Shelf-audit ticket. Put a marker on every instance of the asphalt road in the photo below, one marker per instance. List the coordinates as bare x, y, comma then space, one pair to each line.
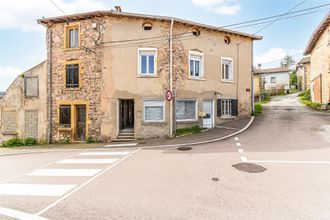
289, 140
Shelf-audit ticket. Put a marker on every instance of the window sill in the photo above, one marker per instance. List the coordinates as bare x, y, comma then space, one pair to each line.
72, 89
147, 76
71, 49
9, 133
228, 117
197, 79
227, 81
64, 129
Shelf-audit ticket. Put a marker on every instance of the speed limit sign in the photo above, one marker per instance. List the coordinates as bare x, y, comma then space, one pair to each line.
168, 95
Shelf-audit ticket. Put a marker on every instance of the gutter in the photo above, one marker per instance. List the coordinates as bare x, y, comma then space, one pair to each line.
50, 84
252, 79
171, 79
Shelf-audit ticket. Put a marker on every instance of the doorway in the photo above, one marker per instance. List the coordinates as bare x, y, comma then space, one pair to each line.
208, 117
126, 114
80, 122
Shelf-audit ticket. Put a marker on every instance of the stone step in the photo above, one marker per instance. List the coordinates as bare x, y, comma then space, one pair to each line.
123, 140
125, 137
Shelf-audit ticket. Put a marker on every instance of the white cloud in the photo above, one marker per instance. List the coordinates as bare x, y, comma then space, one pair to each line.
273, 57
23, 14
7, 75
222, 7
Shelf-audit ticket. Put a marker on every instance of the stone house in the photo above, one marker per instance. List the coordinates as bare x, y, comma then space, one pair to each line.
319, 49
303, 68
272, 80
110, 71
23, 106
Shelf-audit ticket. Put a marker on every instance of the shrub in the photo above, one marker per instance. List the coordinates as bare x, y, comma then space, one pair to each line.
30, 141
257, 109
306, 95
13, 142
264, 97
193, 130
91, 140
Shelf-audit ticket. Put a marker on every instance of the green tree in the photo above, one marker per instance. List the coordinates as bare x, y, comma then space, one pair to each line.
293, 79
287, 61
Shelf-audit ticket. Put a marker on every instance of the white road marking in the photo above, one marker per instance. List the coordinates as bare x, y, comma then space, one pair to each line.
84, 184
18, 214
236, 138
34, 189
244, 159
122, 145
240, 151
104, 153
87, 161
238, 144
65, 172
292, 162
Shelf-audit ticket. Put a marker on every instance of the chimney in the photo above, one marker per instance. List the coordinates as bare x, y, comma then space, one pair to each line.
117, 8
259, 66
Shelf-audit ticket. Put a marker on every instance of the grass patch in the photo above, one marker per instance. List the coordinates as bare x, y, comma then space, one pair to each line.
193, 130
18, 142
305, 98
257, 109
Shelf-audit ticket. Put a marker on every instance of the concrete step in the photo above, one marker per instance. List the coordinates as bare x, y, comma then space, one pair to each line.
125, 137
123, 140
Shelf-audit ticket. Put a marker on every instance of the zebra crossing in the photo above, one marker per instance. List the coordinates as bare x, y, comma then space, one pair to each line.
63, 177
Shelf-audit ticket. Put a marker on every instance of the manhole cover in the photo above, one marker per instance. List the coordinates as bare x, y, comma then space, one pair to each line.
184, 148
249, 167
215, 179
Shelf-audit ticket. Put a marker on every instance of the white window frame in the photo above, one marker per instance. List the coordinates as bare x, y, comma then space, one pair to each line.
201, 64
144, 109
228, 109
196, 111
271, 79
147, 50
232, 69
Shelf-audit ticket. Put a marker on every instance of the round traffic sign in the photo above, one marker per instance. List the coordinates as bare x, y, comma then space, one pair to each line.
168, 95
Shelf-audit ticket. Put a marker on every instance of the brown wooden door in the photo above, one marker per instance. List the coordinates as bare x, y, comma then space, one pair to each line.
81, 123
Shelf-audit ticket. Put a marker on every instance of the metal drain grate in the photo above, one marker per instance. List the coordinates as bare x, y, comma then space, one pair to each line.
249, 168
184, 148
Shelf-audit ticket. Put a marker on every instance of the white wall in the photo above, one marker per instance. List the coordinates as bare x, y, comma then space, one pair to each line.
282, 79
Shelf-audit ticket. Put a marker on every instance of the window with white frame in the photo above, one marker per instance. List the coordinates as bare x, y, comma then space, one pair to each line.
273, 79
153, 110
195, 64
227, 73
226, 107
186, 110
147, 61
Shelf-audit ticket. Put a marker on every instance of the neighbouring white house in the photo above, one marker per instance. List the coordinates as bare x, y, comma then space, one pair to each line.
274, 80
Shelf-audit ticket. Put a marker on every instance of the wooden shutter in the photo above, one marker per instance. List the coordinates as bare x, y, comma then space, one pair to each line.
219, 107
234, 107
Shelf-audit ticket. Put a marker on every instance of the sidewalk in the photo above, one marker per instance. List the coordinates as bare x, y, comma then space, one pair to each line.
224, 130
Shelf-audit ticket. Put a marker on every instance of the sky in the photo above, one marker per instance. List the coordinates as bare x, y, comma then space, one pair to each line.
23, 40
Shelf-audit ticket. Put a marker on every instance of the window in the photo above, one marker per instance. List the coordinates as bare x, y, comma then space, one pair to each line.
227, 107
147, 62
273, 79
31, 86
186, 110
153, 110
227, 40
227, 69
9, 122
65, 116
147, 26
72, 75
72, 36
195, 65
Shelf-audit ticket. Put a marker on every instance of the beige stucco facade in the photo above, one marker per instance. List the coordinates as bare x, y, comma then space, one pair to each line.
319, 50
109, 73
303, 75
23, 109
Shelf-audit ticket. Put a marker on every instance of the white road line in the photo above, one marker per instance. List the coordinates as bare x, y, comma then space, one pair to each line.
122, 145
291, 162
104, 153
34, 189
240, 151
84, 184
238, 144
65, 172
244, 159
19, 214
87, 161
236, 138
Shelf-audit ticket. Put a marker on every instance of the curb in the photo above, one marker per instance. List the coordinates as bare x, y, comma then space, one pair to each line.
147, 147
203, 142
